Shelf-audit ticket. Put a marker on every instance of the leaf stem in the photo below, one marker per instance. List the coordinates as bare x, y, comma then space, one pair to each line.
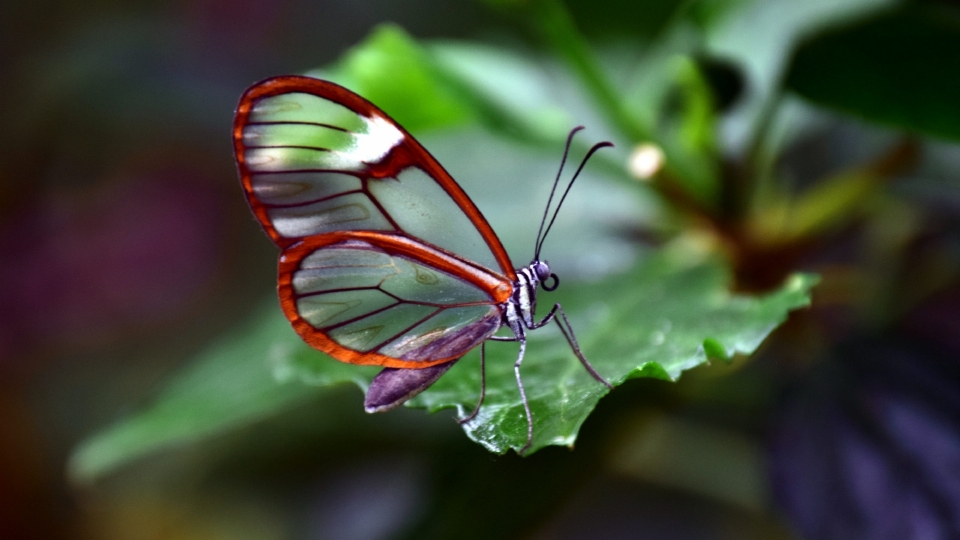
559, 31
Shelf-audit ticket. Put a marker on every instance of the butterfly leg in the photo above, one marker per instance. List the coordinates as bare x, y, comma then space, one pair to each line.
523, 395
483, 376
483, 384
567, 331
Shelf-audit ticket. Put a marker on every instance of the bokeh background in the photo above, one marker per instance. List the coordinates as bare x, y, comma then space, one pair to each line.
817, 136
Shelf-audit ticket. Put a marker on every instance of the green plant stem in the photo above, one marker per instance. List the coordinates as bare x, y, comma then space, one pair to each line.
757, 161
557, 28
559, 31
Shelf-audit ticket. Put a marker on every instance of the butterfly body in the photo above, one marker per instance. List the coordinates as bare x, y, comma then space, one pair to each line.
384, 259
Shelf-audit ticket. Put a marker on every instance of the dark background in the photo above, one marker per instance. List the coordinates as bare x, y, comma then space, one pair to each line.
126, 246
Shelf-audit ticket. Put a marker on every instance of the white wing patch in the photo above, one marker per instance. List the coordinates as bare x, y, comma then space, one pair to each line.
380, 137
287, 147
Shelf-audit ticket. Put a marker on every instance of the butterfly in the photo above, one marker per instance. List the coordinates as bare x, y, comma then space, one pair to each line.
384, 258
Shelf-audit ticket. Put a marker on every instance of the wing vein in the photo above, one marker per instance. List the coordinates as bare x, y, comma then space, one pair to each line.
298, 123
312, 201
294, 171
342, 289
395, 297
326, 329
293, 146
380, 207
405, 330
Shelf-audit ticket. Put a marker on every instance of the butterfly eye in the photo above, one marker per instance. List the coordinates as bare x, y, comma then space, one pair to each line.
542, 269
543, 274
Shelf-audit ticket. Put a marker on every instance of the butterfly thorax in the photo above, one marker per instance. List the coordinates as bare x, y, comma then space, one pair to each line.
520, 308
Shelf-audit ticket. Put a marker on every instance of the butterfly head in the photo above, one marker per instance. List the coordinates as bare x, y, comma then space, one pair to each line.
542, 270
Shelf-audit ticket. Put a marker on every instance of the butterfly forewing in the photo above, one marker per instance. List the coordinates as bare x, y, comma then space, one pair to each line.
316, 158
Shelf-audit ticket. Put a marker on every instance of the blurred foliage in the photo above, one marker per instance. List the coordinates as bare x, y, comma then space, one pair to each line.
797, 137
901, 68
228, 385
389, 54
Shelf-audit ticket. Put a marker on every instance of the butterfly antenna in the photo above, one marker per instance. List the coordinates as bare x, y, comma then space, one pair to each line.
553, 190
595, 147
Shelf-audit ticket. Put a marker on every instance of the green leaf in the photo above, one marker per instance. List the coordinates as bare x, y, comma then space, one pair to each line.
558, 29
444, 84
760, 36
901, 68
393, 71
228, 385
689, 135
511, 90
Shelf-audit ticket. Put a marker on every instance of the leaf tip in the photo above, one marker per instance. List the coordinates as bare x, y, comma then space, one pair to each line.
713, 349
647, 369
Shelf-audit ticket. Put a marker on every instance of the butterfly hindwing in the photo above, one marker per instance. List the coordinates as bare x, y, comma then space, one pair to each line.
392, 387
374, 298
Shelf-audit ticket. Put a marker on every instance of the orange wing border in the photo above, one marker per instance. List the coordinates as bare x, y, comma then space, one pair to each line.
495, 286
409, 152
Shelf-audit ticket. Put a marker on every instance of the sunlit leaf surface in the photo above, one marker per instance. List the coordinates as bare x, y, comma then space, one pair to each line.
658, 321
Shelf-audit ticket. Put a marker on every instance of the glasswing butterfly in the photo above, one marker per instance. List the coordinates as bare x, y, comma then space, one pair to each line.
385, 260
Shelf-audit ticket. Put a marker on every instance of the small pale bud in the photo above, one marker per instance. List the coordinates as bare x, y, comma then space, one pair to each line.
645, 161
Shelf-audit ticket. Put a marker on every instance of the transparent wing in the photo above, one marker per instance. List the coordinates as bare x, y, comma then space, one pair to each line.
374, 298
316, 158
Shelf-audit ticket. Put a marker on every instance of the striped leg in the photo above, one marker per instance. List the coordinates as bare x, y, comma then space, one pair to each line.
483, 377
523, 392
523, 395
483, 385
